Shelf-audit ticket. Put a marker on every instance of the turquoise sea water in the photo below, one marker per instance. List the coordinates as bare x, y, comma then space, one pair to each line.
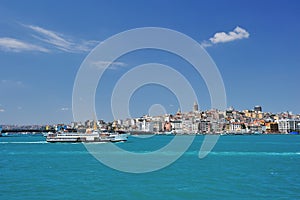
240, 167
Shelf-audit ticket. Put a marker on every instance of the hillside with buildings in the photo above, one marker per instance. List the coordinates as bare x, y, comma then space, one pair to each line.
212, 121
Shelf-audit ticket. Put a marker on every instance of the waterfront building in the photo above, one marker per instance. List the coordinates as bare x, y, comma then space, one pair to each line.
235, 127
132, 122
139, 124
177, 126
288, 125
283, 125
187, 125
157, 126
205, 126
126, 124
254, 127
167, 126
195, 127
216, 127
147, 125
272, 127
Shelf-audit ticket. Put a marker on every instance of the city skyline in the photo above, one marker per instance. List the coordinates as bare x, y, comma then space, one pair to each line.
42, 50
213, 121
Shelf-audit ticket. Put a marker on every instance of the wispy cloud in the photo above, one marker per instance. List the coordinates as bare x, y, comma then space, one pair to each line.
206, 44
43, 40
11, 83
64, 109
15, 45
61, 41
113, 65
222, 37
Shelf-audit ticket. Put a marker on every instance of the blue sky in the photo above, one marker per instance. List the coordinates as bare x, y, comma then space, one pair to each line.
255, 45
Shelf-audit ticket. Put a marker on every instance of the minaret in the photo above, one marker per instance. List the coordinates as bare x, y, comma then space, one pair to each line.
195, 107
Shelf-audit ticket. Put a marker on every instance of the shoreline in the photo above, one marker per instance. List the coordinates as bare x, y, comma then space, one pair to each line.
137, 133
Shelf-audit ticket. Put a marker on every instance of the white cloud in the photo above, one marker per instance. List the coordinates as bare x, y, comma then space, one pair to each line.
103, 64
222, 37
237, 34
60, 41
64, 109
14, 45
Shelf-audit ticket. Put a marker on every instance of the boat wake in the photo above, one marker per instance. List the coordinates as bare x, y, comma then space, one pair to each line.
239, 153
35, 142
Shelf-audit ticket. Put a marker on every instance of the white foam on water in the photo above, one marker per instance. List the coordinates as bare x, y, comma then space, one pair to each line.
35, 142
237, 153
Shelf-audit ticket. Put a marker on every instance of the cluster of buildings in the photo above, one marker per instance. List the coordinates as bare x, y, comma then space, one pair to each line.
207, 122
212, 121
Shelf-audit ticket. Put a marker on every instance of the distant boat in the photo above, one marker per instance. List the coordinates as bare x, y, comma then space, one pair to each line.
294, 133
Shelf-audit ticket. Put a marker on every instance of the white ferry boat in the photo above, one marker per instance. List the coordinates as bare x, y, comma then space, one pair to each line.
95, 136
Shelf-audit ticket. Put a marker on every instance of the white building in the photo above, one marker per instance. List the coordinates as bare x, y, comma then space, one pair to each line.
187, 125
235, 127
288, 125
177, 126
